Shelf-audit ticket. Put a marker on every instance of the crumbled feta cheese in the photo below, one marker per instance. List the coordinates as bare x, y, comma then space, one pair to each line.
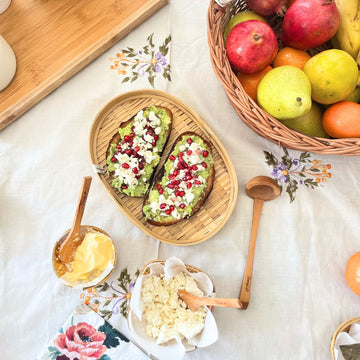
166, 314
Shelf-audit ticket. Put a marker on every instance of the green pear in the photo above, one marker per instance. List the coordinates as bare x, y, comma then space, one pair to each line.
309, 123
355, 95
285, 92
241, 17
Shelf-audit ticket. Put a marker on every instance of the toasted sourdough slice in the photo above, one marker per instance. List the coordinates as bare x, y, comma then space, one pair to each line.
183, 184
135, 151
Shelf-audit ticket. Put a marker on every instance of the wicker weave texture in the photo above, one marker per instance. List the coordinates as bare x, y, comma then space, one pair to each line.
256, 118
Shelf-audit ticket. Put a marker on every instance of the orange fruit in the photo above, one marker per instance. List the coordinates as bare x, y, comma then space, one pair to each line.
342, 120
352, 273
250, 82
291, 56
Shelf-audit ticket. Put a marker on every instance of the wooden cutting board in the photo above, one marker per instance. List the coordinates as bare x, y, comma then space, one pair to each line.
54, 39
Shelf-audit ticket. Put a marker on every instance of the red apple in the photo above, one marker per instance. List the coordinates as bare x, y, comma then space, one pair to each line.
310, 23
251, 46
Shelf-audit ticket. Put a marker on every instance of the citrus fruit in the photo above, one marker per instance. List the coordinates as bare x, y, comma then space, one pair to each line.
250, 82
352, 273
240, 17
285, 92
333, 75
291, 56
342, 120
309, 123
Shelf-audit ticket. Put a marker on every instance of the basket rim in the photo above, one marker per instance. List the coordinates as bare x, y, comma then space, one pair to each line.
250, 113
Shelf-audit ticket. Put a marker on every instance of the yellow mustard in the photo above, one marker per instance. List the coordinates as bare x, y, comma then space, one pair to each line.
91, 258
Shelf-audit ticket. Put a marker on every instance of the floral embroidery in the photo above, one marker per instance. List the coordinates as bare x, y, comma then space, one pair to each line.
290, 172
83, 341
111, 299
131, 64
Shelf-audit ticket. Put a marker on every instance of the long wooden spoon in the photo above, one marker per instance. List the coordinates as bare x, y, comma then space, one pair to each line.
73, 239
193, 301
260, 188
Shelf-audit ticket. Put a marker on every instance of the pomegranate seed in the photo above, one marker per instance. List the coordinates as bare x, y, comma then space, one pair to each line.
125, 166
141, 166
158, 186
128, 152
189, 185
156, 137
153, 143
161, 191
132, 128
184, 178
113, 159
189, 152
124, 186
205, 153
189, 140
182, 206
177, 193
204, 164
137, 148
147, 119
197, 182
118, 146
176, 187
171, 186
194, 167
127, 138
135, 170
172, 157
181, 154
138, 177
131, 143
168, 212
176, 182
132, 135
171, 177
172, 208
175, 172
182, 193
162, 206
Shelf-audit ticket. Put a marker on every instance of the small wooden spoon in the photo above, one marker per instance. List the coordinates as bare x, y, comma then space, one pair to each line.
193, 301
260, 188
73, 239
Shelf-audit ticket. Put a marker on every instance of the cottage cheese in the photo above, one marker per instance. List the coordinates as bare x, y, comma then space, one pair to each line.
166, 314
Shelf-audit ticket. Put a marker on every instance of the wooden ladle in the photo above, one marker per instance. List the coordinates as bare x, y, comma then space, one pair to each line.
73, 239
193, 301
260, 188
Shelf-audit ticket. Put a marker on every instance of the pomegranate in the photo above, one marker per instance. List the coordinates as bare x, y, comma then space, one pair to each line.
310, 23
251, 46
268, 7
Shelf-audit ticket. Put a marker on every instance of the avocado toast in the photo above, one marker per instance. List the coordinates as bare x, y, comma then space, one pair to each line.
184, 182
135, 150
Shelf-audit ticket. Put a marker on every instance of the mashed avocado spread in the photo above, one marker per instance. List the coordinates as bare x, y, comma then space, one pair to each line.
185, 178
134, 159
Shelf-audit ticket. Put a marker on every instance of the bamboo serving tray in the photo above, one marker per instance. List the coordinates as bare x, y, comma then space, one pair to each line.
54, 39
219, 205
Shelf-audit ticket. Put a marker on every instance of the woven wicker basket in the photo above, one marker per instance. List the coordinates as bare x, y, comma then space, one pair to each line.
257, 119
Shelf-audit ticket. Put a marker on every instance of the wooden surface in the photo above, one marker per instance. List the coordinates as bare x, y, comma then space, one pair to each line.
54, 39
217, 208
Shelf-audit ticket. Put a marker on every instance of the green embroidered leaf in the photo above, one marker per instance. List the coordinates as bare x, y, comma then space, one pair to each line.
102, 287
105, 357
107, 302
315, 170
113, 337
151, 80
301, 174
130, 49
53, 352
125, 79
131, 55
270, 159
150, 39
124, 64
96, 301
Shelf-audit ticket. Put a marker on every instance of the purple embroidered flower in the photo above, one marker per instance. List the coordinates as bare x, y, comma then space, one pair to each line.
159, 61
280, 172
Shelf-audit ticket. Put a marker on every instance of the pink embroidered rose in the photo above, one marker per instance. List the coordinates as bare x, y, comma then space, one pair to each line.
82, 342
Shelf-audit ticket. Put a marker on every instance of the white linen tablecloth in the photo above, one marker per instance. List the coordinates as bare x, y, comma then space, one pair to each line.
299, 295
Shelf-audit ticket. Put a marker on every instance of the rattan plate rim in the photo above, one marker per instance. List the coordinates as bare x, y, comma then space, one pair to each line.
140, 96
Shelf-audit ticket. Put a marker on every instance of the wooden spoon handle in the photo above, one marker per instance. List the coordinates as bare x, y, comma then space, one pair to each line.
244, 295
73, 239
85, 186
224, 302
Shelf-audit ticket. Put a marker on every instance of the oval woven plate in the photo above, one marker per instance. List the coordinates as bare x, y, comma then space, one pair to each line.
217, 208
